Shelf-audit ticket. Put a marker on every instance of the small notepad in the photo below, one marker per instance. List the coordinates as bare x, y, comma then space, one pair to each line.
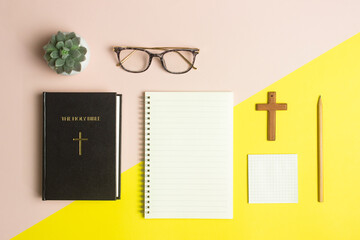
188, 155
273, 178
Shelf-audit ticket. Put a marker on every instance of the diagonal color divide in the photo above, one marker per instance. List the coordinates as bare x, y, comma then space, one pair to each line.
336, 75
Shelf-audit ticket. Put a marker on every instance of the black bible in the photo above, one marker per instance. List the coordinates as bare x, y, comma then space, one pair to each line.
81, 146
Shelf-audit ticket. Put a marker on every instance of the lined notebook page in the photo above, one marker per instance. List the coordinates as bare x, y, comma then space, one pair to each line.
188, 155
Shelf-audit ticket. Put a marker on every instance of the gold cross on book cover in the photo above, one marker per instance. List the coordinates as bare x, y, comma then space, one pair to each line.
80, 139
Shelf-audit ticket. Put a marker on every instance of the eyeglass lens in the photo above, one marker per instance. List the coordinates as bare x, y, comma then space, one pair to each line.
134, 60
178, 61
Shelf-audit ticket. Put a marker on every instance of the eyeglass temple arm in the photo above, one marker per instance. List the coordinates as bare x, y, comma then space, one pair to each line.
182, 56
125, 58
129, 55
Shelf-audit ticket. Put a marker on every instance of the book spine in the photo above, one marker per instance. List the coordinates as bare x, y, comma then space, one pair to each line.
147, 155
120, 132
44, 149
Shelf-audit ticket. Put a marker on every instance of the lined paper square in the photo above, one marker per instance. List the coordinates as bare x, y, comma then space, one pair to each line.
273, 178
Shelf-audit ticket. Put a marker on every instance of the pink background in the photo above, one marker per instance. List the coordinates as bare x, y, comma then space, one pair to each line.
245, 45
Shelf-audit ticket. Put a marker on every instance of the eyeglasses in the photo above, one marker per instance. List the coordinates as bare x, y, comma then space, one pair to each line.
174, 60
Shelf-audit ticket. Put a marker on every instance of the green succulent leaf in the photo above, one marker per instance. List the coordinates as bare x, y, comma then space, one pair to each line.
53, 39
76, 41
64, 52
70, 35
60, 45
49, 47
65, 55
54, 54
47, 56
80, 59
60, 36
74, 47
52, 63
75, 53
59, 70
59, 62
82, 50
77, 66
68, 43
67, 69
70, 62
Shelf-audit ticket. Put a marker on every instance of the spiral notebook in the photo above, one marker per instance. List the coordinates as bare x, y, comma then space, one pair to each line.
188, 155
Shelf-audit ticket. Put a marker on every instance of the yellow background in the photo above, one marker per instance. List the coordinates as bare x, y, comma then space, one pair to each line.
336, 76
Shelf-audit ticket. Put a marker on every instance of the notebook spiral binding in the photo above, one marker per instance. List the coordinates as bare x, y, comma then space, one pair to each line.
147, 155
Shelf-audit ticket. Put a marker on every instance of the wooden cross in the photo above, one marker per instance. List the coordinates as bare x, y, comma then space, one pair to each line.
271, 107
80, 140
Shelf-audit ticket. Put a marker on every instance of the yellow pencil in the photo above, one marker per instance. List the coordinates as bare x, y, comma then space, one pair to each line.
320, 151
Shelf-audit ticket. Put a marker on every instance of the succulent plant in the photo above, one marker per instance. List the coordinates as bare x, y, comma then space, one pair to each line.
64, 54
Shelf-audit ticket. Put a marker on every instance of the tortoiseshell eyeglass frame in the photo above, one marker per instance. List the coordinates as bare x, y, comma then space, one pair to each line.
194, 51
